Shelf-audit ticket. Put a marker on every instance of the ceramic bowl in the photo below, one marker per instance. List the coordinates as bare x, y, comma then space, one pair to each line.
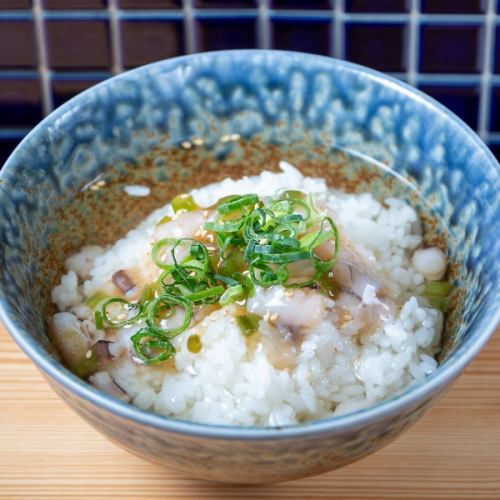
181, 123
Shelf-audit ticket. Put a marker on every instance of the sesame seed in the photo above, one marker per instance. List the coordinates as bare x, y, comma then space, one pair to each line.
186, 144
197, 141
205, 213
274, 317
235, 137
263, 241
288, 293
267, 316
210, 238
88, 354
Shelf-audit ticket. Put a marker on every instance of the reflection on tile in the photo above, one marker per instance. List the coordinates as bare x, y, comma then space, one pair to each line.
74, 4
380, 46
226, 33
147, 41
377, 5
78, 44
15, 4
7, 145
496, 50
65, 89
463, 100
17, 44
450, 49
231, 4
301, 35
495, 109
453, 6
20, 102
301, 4
150, 4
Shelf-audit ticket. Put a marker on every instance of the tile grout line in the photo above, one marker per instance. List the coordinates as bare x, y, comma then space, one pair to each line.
41, 41
338, 29
485, 96
413, 43
189, 34
264, 34
114, 29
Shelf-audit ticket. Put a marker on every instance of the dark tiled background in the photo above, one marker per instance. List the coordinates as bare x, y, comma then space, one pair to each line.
53, 49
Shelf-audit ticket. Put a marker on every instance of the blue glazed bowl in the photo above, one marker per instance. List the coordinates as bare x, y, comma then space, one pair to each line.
139, 128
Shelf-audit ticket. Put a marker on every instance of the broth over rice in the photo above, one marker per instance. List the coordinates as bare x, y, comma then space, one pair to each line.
270, 300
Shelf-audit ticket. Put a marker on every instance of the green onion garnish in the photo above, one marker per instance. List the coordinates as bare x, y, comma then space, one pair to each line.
194, 344
184, 202
95, 300
248, 323
437, 293
253, 241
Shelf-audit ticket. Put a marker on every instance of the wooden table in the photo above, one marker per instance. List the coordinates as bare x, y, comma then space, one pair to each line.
46, 451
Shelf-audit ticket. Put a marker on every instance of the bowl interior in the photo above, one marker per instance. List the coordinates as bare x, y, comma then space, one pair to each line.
186, 122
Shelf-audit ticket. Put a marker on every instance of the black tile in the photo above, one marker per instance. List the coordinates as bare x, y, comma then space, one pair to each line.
15, 4
78, 44
231, 4
226, 33
20, 102
150, 4
301, 4
301, 35
379, 46
7, 145
17, 42
495, 109
453, 6
147, 41
463, 100
450, 49
495, 149
65, 89
377, 6
75, 4
496, 49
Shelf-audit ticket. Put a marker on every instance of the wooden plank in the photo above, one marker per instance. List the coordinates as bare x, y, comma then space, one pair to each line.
46, 451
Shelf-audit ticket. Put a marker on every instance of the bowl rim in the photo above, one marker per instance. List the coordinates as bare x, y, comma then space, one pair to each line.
434, 383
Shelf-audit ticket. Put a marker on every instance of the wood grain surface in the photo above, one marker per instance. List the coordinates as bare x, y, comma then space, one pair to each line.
46, 451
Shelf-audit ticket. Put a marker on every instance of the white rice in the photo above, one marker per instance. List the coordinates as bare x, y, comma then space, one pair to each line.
230, 382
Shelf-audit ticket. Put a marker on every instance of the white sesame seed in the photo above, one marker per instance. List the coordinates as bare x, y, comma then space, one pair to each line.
197, 141
186, 144
274, 317
88, 354
205, 213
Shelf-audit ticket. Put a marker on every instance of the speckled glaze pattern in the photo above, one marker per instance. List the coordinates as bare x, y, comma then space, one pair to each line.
318, 112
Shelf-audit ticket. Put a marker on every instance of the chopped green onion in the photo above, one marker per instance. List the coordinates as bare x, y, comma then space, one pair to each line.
121, 317
184, 202
248, 324
237, 203
99, 320
168, 301
164, 220
232, 294
159, 252
151, 346
95, 300
440, 288
437, 293
194, 344
205, 294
